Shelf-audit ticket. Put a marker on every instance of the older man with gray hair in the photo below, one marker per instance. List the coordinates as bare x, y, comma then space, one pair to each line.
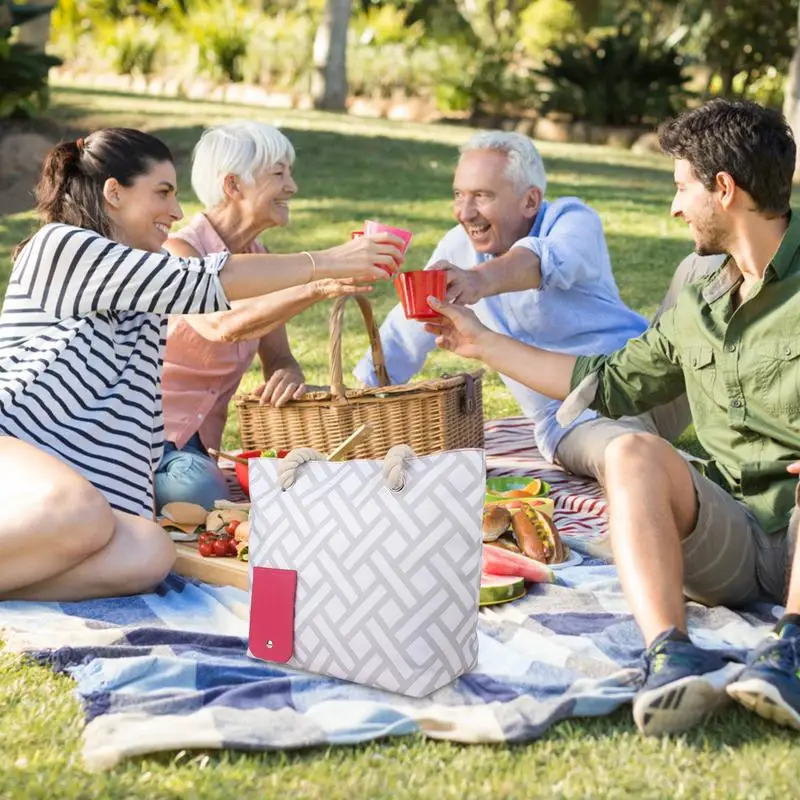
535, 270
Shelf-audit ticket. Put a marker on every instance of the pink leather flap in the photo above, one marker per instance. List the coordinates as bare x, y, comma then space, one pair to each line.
272, 613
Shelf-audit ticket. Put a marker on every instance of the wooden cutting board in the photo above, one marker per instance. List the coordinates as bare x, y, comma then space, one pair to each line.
219, 571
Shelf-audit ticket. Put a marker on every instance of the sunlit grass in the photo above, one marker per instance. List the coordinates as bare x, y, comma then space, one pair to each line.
349, 169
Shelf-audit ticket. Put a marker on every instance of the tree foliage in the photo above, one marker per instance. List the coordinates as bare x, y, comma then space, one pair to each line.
748, 37
621, 78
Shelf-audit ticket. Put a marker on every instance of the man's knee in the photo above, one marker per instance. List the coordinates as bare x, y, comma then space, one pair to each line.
631, 450
648, 471
646, 459
582, 450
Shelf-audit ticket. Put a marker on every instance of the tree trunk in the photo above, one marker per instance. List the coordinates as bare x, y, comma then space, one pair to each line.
791, 102
329, 81
727, 74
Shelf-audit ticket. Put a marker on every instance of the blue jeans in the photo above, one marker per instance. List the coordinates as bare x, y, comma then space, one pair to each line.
189, 475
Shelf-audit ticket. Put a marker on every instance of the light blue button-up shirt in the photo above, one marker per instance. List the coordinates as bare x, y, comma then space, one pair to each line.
577, 309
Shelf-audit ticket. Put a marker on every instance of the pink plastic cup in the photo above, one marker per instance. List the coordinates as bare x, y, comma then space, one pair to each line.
370, 227
414, 289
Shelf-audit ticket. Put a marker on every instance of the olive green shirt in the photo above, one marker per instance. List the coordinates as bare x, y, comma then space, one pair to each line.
740, 368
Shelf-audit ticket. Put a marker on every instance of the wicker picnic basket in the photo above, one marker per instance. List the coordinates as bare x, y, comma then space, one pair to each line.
430, 416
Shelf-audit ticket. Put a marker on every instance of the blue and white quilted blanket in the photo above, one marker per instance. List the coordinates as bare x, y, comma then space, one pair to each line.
170, 671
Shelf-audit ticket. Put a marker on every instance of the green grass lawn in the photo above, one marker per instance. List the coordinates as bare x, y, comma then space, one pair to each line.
348, 170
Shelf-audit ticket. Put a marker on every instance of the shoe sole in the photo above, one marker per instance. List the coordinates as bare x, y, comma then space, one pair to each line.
678, 706
764, 699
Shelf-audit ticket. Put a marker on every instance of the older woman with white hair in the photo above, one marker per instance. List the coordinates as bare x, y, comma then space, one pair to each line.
242, 174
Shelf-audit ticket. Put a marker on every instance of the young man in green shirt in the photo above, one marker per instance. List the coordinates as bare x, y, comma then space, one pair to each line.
725, 536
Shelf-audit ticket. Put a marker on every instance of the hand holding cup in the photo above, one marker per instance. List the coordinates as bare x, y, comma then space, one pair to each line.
369, 257
371, 227
464, 286
457, 329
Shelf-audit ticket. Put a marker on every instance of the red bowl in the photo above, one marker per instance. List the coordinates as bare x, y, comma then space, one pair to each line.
242, 470
242, 474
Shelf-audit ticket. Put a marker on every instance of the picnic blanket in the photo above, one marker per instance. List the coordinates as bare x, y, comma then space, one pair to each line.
169, 670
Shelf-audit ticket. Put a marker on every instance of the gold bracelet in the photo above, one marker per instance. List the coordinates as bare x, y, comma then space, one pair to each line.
313, 266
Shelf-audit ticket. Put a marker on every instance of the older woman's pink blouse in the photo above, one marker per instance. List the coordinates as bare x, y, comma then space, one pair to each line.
201, 376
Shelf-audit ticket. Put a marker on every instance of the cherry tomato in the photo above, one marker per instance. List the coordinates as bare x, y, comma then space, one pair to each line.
232, 526
283, 453
205, 536
232, 549
220, 547
206, 549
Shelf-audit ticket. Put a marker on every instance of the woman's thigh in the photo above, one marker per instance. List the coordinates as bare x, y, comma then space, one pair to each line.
53, 517
136, 559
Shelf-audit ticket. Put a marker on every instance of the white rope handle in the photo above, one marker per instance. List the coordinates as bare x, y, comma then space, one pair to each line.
394, 475
393, 471
289, 464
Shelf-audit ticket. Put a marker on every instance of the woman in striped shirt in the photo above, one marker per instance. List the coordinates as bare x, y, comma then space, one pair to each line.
81, 342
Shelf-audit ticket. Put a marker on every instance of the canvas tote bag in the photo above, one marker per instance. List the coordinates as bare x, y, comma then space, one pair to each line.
368, 570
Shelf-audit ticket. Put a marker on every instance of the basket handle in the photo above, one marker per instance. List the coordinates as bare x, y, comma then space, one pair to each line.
335, 345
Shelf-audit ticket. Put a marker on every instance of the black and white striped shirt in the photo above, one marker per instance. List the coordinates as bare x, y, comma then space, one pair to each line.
82, 334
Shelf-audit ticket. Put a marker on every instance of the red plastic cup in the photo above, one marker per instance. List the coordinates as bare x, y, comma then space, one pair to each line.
356, 234
414, 289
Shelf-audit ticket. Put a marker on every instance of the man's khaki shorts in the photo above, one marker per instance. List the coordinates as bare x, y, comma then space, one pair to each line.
727, 558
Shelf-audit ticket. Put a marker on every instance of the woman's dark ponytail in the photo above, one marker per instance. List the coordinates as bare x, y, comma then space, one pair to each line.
74, 173
61, 194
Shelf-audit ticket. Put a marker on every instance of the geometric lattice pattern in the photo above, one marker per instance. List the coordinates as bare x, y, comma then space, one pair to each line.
387, 582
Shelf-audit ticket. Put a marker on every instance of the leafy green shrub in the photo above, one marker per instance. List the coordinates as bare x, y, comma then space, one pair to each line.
23, 68
221, 34
422, 71
387, 55
621, 79
544, 23
78, 24
767, 89
742, 40
133, 46
386, 24
492, 82
279, 52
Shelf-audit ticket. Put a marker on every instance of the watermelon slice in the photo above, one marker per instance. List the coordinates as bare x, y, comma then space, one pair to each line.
499, 561
500, 589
